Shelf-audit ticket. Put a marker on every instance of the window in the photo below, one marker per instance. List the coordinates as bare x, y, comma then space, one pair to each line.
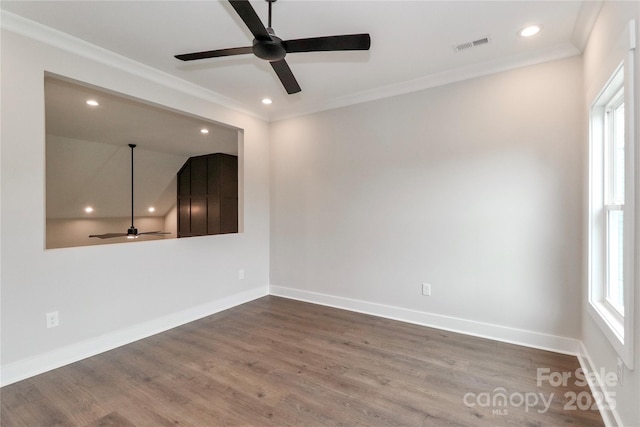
611, 213
614, 157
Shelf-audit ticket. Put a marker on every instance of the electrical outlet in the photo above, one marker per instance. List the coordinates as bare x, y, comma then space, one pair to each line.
241, 274
620, 370
53, 319
426, 289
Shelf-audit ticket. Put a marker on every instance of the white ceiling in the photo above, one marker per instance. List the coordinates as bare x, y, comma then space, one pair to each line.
411, 49
412, 42
88, 159
122, 120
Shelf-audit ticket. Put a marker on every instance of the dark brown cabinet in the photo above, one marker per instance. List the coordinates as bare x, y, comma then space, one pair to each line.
208, 195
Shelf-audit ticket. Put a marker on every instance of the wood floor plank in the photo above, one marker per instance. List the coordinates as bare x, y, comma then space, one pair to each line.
40, 412
278, 362
112, 419
76, 403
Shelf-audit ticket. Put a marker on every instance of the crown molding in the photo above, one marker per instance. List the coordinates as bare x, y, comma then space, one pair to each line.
587, 18
33, 30
58, 39
561, 51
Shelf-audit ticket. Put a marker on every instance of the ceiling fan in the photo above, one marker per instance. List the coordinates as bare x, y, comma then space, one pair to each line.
132, 232
267, 46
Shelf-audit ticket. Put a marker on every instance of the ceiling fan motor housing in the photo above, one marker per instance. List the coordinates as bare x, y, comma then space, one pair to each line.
269, 50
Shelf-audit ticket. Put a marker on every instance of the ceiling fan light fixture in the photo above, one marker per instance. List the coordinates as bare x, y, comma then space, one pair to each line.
132, 233
530, 30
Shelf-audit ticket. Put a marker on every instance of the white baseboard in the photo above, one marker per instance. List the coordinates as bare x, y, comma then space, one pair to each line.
464, 326
610, 415
22, 369
35, 365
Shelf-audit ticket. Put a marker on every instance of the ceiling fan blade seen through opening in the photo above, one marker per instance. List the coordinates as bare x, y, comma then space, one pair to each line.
108, 235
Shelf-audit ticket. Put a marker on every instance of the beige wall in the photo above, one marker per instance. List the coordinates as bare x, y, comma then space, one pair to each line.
171, 221
474, 187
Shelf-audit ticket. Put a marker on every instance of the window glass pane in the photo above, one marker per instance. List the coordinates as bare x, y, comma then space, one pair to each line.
614, 258
618, 155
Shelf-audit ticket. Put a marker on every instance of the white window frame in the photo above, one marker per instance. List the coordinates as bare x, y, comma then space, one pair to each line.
616, 84
615, 323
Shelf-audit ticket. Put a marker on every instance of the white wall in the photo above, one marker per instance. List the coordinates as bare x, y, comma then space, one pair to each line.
108, 295
474, 187
598, 66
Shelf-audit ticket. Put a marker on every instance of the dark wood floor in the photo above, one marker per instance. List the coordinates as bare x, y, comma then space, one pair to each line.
277, 362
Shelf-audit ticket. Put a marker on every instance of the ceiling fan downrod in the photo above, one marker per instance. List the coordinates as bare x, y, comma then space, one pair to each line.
132, 232
272, 49
269, 26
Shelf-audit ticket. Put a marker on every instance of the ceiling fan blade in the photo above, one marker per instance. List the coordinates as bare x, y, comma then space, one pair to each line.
329, 43
251, 19
154, 233
286, 76
215, 53
108, 235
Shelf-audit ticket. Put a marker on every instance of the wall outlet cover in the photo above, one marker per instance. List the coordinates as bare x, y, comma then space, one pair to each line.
53, 319
426, 289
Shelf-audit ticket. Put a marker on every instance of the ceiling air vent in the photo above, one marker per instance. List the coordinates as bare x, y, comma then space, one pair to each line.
469, 45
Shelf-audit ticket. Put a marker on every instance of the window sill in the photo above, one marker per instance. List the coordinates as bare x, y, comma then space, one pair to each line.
612, 324
612, 328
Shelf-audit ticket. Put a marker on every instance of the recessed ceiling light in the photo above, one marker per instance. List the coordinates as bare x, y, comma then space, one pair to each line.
529, 31
204, 131
92, 102
88, 209
267, 101
151, 209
